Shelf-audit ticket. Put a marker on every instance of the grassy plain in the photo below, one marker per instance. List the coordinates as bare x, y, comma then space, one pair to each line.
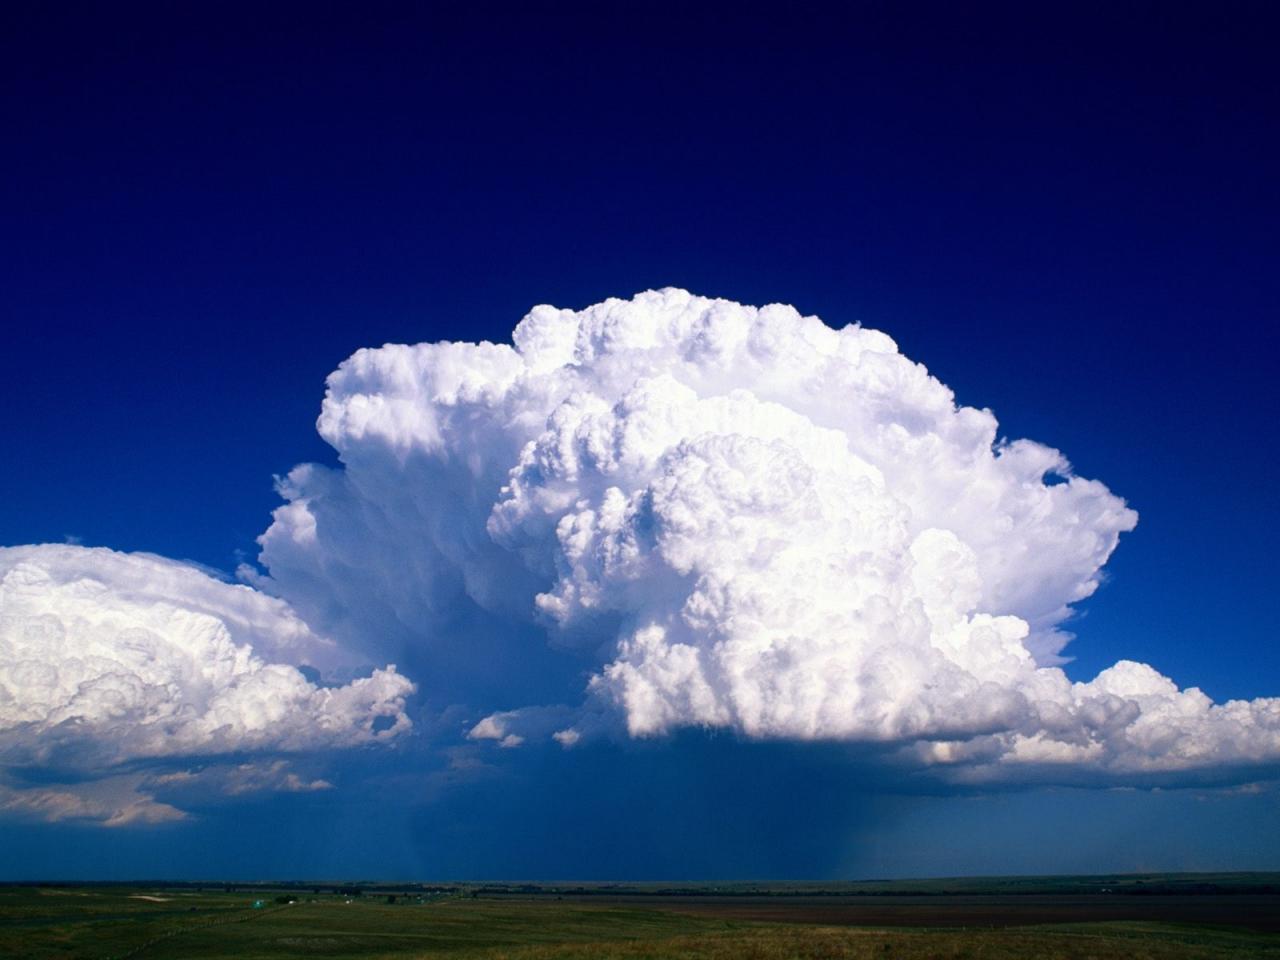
790, 923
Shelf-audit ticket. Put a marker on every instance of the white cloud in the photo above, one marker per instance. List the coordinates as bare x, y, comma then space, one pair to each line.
745, 519
107, 658
510, 728
1129, 720
492, 727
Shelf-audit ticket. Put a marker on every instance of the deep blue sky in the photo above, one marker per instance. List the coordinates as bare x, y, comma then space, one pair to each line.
1070, 218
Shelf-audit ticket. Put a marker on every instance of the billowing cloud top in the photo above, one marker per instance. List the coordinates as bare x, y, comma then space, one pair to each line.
108, 657
751, 521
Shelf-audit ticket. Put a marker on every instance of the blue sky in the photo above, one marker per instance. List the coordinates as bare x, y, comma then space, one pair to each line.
1069, 220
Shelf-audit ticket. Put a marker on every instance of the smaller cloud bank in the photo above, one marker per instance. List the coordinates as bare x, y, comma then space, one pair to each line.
134, 798
108, 659
113, 802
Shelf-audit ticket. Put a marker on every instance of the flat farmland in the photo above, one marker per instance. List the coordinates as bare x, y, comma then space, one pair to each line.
183, 922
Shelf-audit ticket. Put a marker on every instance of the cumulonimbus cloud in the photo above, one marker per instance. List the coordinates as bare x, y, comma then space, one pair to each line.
108, 658
748, 520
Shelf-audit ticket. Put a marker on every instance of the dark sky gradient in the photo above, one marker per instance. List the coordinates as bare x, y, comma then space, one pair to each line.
692, 808
1069, 217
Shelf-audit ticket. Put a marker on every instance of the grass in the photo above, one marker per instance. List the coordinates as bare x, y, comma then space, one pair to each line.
114, 923
777, 942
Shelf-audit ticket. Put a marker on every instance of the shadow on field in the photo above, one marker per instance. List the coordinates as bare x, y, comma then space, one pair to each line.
1251, 911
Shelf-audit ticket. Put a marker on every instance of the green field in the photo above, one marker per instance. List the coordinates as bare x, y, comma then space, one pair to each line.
154, 923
